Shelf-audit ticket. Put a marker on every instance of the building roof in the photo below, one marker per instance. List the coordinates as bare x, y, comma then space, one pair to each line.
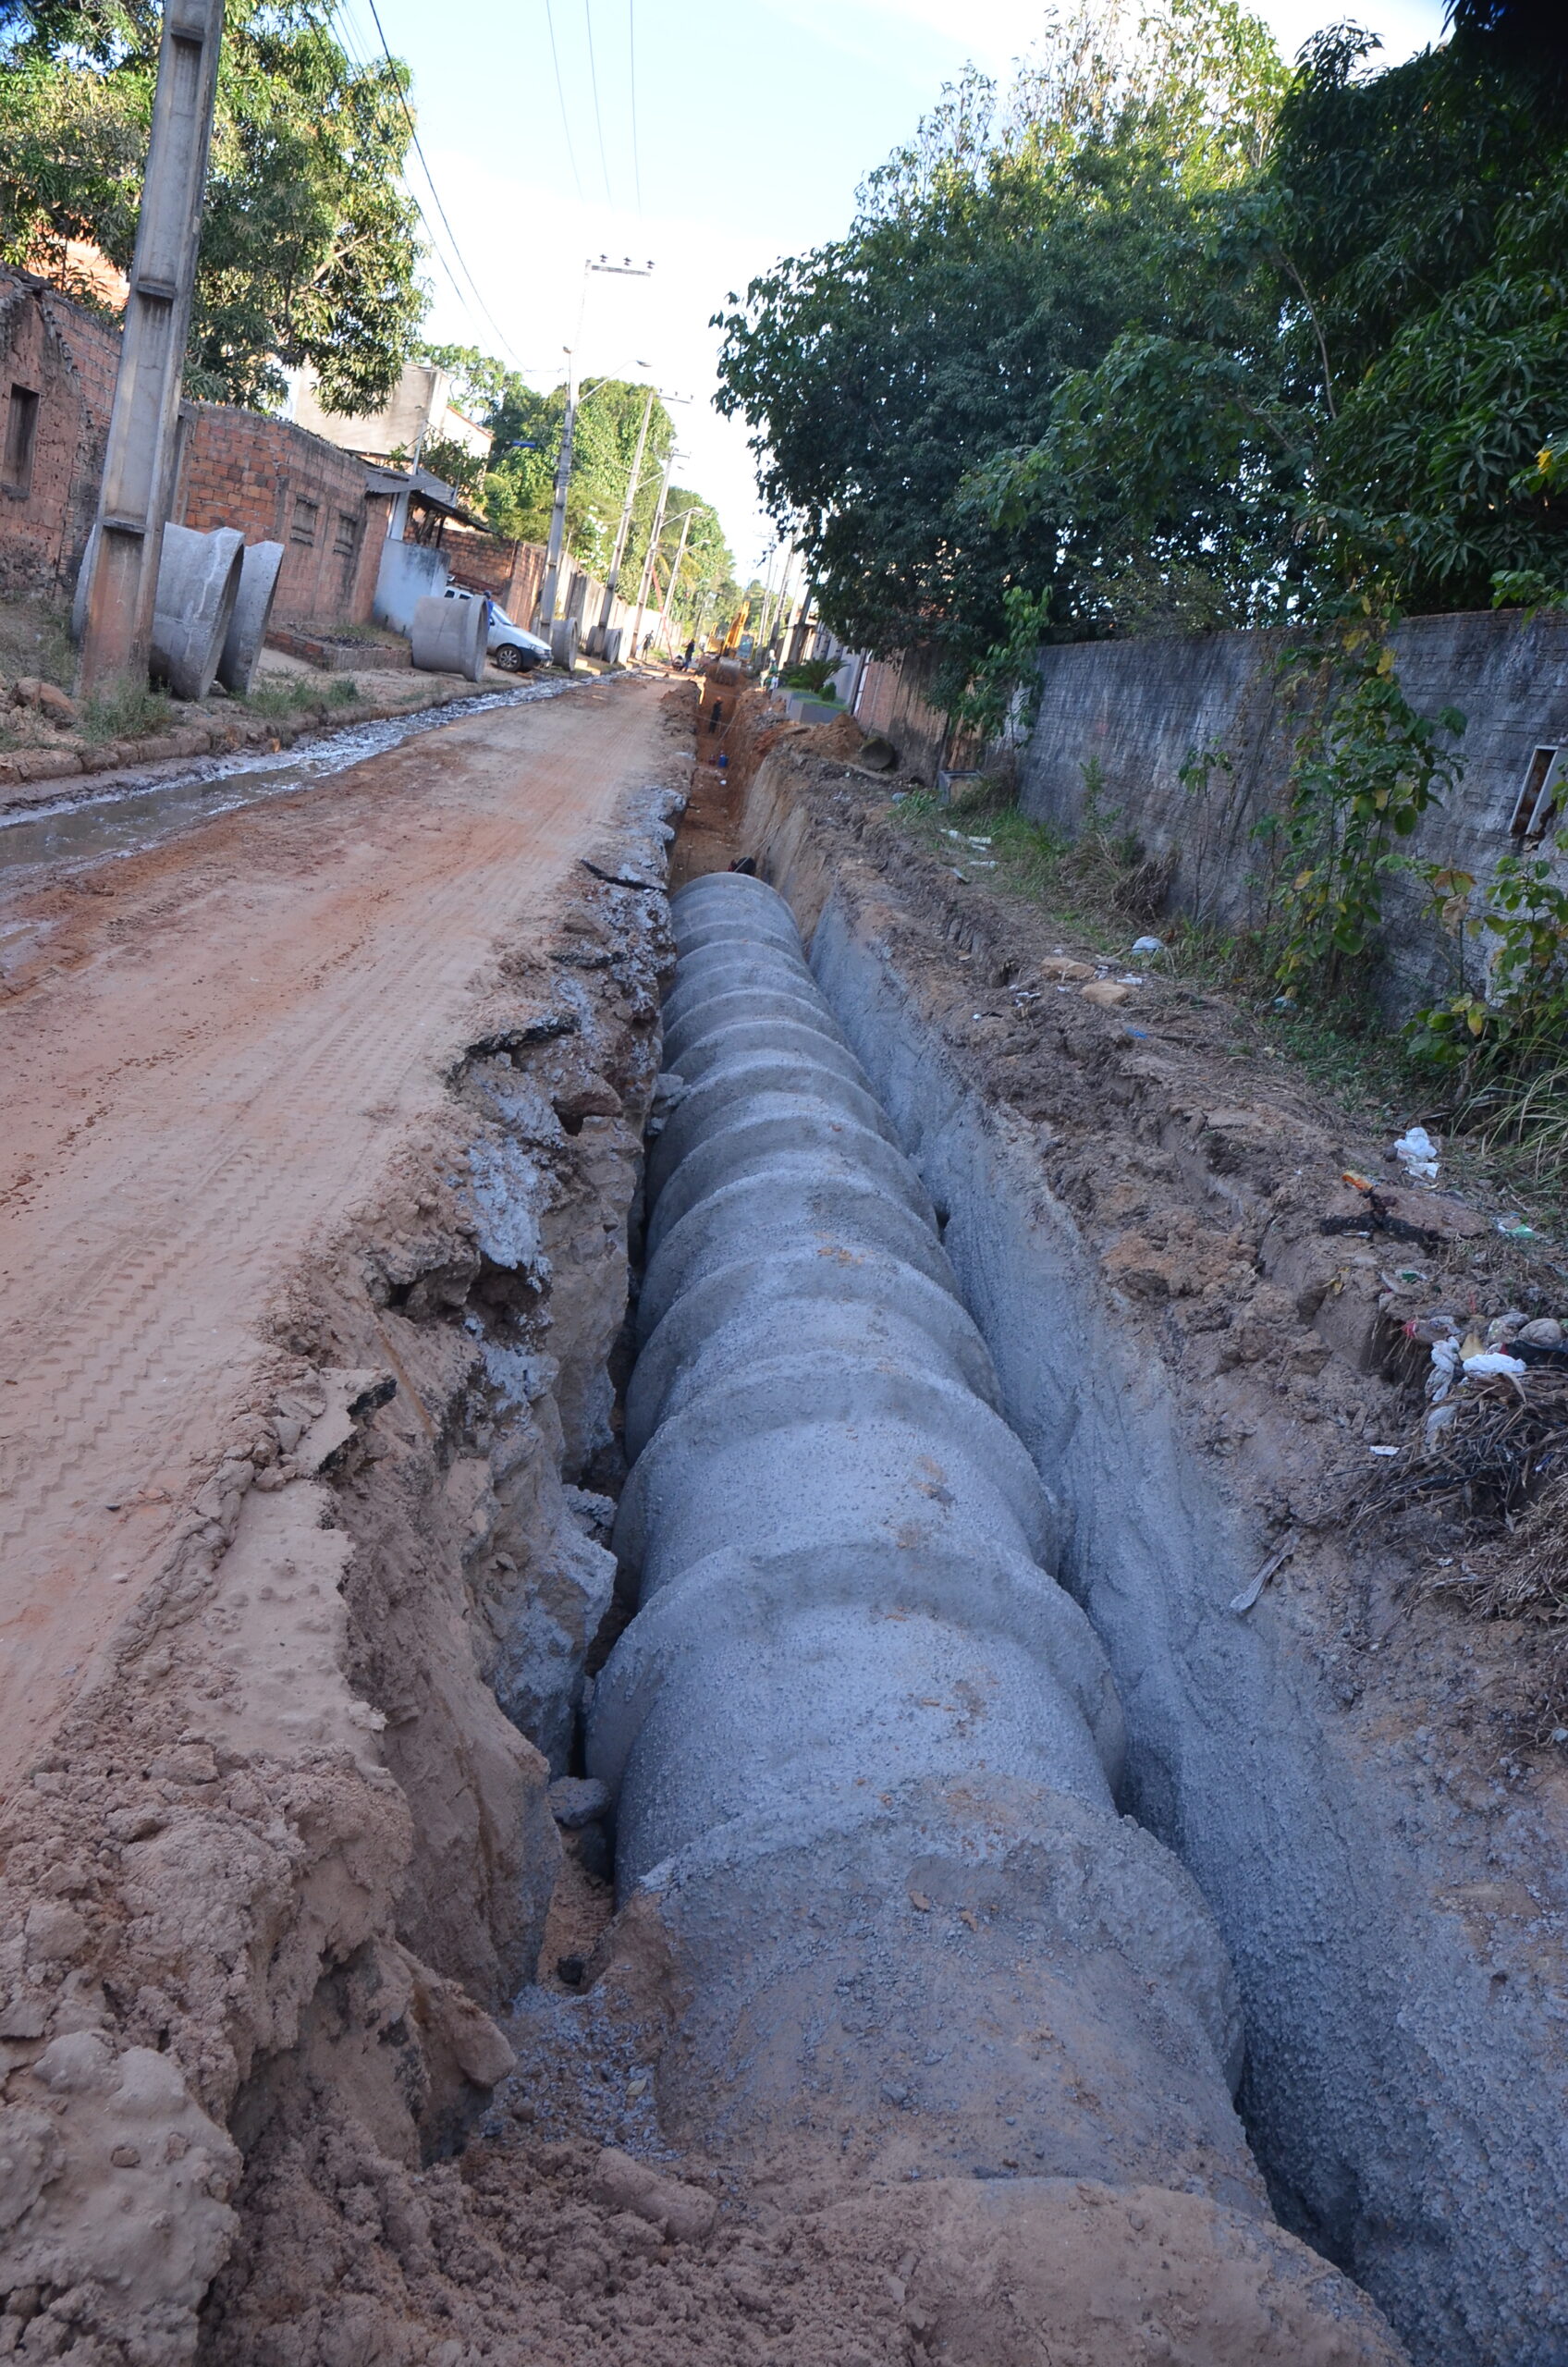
430, 491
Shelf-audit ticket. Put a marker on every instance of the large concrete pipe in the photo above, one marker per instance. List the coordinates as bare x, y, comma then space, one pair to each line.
246, 637
450, 637
197, 586
865, 1749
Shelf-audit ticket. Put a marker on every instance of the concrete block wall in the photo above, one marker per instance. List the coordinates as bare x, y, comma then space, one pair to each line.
277, 482
513, 574
1129, 716
65, 357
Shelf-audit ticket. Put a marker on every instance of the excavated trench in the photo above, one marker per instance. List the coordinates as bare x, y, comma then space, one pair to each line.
945, 1814
863, 1749
1391, 1907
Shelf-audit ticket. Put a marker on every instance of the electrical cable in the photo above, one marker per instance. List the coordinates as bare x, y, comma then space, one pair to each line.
436, 193
560, 94
594, 82
632, 65
336, 17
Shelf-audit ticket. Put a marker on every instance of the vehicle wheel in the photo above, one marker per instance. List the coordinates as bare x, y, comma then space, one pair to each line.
510, 659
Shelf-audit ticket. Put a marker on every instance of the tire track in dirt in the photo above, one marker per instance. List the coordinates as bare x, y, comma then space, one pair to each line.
154, 1240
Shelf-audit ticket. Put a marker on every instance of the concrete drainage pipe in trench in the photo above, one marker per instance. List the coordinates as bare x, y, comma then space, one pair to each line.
865, 1750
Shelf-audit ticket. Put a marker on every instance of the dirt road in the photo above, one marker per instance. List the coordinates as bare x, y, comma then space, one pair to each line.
210, 1052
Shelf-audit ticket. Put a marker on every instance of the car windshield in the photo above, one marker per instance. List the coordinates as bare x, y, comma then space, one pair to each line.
500, 616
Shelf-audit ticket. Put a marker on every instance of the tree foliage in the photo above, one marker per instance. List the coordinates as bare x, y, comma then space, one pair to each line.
307, 254
1168, 336
1360, 382
1005, 250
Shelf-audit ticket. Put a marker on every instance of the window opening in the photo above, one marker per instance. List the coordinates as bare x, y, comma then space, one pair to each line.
1540, 793
348, 534
21, 433
305, 516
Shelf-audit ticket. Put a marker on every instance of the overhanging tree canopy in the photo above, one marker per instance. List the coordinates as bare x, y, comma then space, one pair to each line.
307, 254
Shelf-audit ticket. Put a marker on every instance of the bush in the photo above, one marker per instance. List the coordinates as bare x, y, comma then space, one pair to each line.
813, 674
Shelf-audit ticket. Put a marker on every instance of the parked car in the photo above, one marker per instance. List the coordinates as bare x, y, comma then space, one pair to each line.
510, 648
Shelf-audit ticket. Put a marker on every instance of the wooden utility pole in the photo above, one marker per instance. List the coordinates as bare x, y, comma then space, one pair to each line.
139, 461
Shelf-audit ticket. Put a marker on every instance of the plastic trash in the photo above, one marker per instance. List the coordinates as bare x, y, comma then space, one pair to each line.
1150, 945
1440, 1419
1516, 1228
1417, 1154
1492, 1361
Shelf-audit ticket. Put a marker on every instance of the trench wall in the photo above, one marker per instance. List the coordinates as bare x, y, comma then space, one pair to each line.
1130, 714
1403, 2088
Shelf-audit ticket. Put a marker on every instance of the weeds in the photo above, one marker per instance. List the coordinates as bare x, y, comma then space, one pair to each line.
1366, 769
280, 695
128, 710
1502, 1038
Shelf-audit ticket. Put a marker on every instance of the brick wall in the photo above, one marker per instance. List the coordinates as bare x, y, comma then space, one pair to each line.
273, 480
278, 484
892, 701
513, 573
60, 361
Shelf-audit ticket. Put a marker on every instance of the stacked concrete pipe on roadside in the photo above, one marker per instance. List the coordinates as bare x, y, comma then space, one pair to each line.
865, 1749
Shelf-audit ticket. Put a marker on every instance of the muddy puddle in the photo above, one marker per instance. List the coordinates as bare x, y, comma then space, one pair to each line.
134, 814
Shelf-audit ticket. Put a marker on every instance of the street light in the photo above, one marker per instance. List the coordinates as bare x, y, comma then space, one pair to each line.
625, 269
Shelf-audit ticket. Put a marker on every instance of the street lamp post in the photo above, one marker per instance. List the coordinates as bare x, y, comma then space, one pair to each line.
653, 549
596, 644
686, 517
127, 536
624, 270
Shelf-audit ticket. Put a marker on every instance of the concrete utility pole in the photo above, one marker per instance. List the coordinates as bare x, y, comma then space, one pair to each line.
624, 529
686, 517
625, 270
653, 549
139, 461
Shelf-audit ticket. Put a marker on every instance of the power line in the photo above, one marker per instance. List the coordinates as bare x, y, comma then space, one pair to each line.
435, 192
593, 81
336, 12
560, 94
632, 58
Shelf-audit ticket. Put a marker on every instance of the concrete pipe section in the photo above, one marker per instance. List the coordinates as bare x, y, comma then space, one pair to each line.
243, 642
199, 579
450, 637
865, 1749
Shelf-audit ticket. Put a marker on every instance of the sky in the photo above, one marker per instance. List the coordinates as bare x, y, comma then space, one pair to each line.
706, 142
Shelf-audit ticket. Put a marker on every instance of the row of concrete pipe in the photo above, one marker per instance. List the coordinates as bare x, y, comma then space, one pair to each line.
865, 1749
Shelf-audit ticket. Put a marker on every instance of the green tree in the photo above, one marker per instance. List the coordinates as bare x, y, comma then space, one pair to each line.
705, 584
1006, 249
308, 252
519, 487
1359, 379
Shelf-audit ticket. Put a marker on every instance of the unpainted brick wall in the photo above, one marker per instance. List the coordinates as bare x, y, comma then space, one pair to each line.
278, 484
892, 701
273, 480
68, 357
513, 573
